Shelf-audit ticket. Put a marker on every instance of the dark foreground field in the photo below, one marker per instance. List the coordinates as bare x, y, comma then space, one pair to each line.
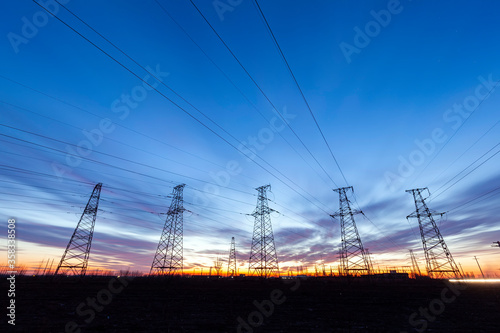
106, 304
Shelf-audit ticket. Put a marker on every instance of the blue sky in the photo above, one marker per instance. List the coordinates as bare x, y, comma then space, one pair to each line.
415, 105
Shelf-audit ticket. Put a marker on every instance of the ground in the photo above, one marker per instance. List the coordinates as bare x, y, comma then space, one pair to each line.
110, 304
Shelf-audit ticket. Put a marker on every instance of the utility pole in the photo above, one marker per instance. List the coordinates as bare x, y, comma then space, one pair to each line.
353, 257
76, 256
461, 269
263, 258
440, 263
231, 266
479, 267
168, 259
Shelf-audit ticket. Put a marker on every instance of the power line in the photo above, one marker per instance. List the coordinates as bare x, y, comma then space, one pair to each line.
301, 92
112, 201
33, 197
127, 190
97, 116
107, 187
35, 210
186, 112
498, 144
56, 151
60, 177
458, 129
142, 193
130, 146
467, 203
186, 101
468, 173
41, 174
308, 106
469, 148
233, 84
260, 89
106, 154
114, 174
101, 208
149, 72
42, 187
202, 192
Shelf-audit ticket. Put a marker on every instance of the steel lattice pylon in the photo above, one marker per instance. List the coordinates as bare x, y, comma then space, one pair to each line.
263, 259
353, 257
168, 258
76, 255
415, 269
231, 266
439, 261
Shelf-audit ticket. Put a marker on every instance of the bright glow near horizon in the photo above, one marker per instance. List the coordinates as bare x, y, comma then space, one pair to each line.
417, 106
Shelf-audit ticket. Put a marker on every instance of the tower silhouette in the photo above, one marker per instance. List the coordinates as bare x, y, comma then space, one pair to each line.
218, 265
76, 256
353, 257
263, 259
231, 266
415, 269
168, 258
439, 261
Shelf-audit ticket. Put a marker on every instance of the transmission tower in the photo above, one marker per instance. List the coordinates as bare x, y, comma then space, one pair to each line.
76, 256
440, 263
353, 257
168, 259
414, 264
218, 265
231, 266
263, 259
